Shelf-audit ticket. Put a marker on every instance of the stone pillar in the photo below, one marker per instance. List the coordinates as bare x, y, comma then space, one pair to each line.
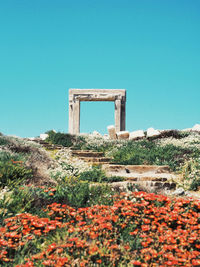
117, 115
120, 116
76, 117
123, 115
70, 123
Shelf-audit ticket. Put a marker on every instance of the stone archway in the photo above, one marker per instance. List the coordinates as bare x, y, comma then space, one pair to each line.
77, 95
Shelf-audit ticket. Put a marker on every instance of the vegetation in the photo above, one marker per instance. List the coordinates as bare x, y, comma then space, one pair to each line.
147, 152
79, 220
97, 175
13, 173
137, 229
63, 139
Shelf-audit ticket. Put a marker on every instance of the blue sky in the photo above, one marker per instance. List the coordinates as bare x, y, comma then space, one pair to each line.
148, 47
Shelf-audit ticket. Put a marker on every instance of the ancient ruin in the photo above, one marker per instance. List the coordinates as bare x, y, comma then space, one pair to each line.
118, 96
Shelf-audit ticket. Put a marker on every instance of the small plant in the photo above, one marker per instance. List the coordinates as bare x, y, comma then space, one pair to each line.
3, 140
13, 173
63, 139
98, 175
94, 175
16, 201
190, 175
147, 152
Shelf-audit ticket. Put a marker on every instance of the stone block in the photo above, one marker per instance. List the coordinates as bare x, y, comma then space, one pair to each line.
136, 135
151, 132
196, 128
123, 135
43, 136
186, 130
112, 132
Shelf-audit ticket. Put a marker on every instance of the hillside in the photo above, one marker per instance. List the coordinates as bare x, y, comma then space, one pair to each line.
67, 189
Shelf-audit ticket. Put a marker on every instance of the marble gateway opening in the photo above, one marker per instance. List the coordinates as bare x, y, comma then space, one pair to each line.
118, 96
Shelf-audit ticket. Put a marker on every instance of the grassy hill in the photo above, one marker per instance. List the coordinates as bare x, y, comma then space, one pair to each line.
57, 210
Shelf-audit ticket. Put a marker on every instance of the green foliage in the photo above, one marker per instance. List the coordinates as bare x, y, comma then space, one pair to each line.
7, 157
147, 152
63, 139
13, 174
191, 175
101, 194
96, 174
195, 185
76, 194
16, 201
3, 140
80, 143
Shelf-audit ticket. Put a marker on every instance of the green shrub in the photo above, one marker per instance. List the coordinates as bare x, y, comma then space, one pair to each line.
100, 195
7, 156
147, 152
79, 143
63, 139
16, 201
13, 174
3, 140
96, 174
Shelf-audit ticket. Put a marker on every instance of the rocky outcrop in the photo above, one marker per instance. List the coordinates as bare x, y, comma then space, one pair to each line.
151, 132
112, 132
135, 135
123, 135
150, 177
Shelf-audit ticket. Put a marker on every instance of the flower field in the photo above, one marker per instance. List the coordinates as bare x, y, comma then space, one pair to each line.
139, 229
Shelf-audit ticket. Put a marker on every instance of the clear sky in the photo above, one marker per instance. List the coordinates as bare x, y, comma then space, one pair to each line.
151, 48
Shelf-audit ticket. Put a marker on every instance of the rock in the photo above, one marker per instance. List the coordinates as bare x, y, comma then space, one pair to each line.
95, 133
179, 191
106, 136
136, 135
112, 132
151, 132
123, 135
31, 138
186, 130
43, 136
196, 128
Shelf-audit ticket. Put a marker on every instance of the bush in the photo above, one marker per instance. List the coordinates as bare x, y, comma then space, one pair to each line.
147, 152
16, 201
3, 140
93, 175
98, 175
63, 139
13, 174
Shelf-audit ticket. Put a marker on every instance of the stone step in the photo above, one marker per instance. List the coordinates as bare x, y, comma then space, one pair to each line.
96, 159
149, 176
144, 184
100, 163
139, 169
86, 153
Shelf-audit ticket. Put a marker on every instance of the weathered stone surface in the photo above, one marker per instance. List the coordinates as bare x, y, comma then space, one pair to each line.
196, 127
151, 132
43, 136
138, 169
136, 135
186, 130
106, 136
123, 135
78, 95
112, 132
179, 191
97, 134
